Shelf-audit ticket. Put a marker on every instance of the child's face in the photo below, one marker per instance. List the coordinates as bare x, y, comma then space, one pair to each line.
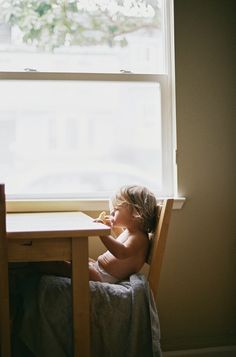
121, 216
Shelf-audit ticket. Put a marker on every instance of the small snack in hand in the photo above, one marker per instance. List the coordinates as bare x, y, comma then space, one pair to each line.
102, 216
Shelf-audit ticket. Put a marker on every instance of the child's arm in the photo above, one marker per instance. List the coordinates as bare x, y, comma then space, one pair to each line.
121, 250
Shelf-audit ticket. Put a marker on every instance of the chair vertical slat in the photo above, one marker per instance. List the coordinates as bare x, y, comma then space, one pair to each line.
5, 344
158, 248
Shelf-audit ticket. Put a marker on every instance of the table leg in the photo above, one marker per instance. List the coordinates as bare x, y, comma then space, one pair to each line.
5, 339
5, 334
80, 297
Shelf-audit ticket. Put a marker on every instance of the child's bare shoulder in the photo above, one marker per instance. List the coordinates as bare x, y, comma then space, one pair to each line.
138, 238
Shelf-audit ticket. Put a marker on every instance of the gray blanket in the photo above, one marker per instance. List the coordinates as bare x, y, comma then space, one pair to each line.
124, 320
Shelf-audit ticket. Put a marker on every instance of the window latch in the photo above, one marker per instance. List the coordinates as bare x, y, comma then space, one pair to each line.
125, 71
27, 69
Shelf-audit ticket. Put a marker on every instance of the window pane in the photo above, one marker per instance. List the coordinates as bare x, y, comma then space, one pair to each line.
72, 138
82, 36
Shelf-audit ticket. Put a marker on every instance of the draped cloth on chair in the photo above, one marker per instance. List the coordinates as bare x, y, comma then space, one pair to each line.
124, 319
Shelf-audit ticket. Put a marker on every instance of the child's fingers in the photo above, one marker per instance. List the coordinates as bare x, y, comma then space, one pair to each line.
104, 218
107, 221
97, 220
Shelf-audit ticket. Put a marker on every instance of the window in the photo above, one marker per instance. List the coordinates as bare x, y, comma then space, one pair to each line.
87, 97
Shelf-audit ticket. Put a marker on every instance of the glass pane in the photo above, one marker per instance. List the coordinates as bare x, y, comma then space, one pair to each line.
82, 36
68, 139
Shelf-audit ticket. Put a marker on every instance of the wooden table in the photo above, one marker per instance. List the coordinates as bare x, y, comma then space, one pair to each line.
59, 236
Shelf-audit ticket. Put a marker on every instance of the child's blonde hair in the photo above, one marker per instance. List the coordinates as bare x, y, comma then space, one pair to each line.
143, 203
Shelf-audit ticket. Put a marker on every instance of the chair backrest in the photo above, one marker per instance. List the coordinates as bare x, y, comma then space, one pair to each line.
157, 245
5, 348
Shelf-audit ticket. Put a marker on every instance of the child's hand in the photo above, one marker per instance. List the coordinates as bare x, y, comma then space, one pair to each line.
103, 218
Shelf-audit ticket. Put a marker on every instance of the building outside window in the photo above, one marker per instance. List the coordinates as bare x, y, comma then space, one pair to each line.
87, 97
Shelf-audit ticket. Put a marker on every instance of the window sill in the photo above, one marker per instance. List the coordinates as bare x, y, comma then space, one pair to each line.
53, 205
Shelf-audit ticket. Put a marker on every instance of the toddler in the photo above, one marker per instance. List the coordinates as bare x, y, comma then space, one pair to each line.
133, 215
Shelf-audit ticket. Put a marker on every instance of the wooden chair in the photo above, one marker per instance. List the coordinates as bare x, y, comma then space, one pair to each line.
5, 345
158, 243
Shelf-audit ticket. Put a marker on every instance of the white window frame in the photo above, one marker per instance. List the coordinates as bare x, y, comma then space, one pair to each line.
167, 88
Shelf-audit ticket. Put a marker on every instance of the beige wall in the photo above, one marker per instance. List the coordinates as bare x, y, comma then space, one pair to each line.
197, 300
